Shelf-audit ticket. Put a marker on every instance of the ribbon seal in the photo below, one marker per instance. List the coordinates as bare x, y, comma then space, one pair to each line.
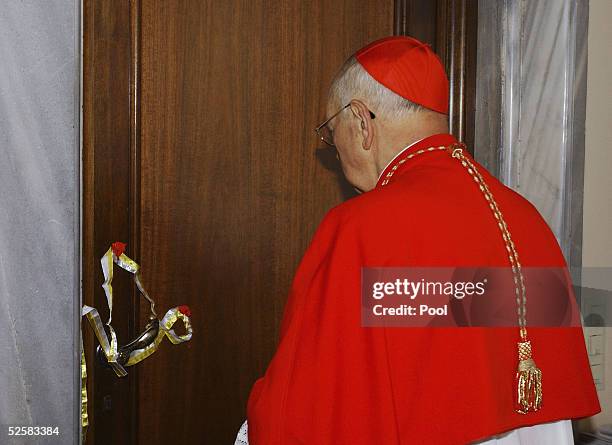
146, 343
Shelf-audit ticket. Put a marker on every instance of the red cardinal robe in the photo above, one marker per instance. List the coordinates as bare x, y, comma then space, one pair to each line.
334, 382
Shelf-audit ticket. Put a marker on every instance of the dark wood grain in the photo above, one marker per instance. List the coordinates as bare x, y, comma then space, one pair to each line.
231, 187
417, 18
107, 207
457, 45
134, 215
199, 152
488, 112
450, 27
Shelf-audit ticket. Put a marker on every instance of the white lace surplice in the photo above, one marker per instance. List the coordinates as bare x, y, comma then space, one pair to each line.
243, 435
553, 433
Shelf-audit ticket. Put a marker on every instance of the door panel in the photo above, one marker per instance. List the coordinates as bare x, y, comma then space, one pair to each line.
199, 151
231, 190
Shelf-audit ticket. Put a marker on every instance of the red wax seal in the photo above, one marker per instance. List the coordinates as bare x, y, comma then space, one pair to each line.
184, 309
118, 248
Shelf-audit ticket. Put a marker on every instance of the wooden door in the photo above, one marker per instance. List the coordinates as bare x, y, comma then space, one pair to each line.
199, 152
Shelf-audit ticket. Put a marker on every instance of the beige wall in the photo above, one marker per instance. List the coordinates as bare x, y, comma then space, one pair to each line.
597, 237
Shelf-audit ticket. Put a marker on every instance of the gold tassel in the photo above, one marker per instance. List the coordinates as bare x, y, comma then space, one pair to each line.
528, 380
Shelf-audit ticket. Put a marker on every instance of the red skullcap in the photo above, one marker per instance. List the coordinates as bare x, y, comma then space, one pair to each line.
409, 68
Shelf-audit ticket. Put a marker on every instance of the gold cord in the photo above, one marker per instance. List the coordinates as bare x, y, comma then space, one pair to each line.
528, 376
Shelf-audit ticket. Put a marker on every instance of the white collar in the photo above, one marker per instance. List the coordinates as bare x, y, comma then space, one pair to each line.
395, 157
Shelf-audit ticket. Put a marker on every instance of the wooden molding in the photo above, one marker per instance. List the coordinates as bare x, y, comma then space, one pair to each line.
450, 26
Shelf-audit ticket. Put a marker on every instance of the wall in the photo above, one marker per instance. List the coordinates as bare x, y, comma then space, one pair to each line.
597, 221
530, 105
39, 218
542, 126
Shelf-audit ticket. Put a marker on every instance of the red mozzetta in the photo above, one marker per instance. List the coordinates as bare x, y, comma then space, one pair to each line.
335, 382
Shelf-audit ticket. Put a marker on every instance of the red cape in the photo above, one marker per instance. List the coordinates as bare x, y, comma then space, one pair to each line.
332, 381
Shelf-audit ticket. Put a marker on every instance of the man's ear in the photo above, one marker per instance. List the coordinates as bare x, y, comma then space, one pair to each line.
362, 113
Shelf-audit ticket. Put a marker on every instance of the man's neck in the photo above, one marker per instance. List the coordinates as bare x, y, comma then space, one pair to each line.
398, 153
398, 145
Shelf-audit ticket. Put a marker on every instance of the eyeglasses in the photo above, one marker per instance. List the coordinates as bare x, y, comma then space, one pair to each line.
326, 134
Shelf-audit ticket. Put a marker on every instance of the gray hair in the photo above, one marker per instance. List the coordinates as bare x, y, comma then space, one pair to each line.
354, 82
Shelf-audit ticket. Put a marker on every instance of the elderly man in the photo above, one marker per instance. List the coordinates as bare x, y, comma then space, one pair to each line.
425, 202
